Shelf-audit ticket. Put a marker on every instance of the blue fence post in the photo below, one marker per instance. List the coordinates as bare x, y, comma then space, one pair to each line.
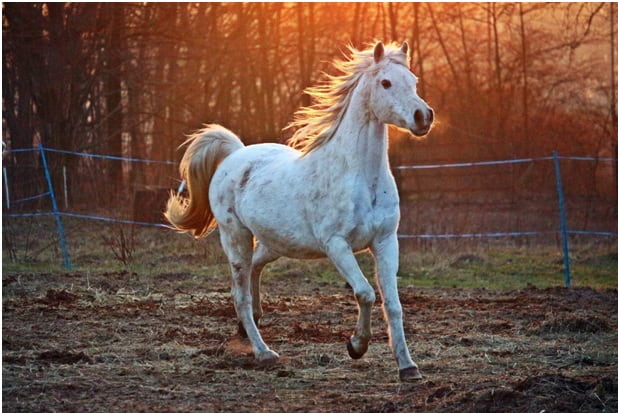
63, 243
564, 232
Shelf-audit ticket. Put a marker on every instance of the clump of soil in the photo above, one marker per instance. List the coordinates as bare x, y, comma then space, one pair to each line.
57, 297
63, 357
575, 324
548, 392
555, 392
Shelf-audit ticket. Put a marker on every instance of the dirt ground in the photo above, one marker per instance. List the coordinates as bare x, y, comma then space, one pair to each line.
127, 342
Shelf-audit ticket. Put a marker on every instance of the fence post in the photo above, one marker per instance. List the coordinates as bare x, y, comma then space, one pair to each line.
564, 232
63, 243
6, 188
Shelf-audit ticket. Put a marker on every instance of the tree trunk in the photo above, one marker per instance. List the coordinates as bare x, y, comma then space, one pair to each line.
392, 17
524, 70
114, 97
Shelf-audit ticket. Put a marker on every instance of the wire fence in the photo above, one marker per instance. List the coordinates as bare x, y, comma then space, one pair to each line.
559, 202
28, 185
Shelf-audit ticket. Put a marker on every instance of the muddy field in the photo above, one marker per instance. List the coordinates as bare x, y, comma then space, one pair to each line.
127, 342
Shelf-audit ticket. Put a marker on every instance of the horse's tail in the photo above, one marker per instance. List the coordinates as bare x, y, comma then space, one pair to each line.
207, 148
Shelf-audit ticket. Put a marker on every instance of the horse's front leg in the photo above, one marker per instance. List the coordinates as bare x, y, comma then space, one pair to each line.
341, 254
386, 253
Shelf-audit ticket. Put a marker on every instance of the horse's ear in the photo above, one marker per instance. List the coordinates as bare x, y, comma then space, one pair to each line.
404, 48
378, 52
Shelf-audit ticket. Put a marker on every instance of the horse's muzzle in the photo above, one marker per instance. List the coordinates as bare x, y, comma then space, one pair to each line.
423, 119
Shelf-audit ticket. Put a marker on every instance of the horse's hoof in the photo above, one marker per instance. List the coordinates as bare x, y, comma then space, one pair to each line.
410, 374
267, 357
352, 351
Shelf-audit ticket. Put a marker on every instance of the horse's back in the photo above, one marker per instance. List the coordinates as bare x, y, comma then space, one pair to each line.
243, 169
260, 187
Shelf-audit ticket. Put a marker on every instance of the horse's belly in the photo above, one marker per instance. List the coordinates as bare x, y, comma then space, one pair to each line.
299, 239
361, 240
289, 245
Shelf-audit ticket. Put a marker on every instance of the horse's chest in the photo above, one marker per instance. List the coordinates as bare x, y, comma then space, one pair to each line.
370, 213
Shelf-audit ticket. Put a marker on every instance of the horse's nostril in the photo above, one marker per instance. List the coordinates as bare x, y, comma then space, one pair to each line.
430, 117
419, 119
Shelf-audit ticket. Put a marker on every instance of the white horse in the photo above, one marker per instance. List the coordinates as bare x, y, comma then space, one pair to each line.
329, 194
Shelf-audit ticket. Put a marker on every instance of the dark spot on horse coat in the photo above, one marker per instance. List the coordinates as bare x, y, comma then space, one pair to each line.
245, 178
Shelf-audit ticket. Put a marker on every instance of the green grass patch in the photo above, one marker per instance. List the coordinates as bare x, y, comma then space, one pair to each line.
509, 268
30, 245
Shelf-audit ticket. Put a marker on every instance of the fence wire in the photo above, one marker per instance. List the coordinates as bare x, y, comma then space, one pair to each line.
437, 203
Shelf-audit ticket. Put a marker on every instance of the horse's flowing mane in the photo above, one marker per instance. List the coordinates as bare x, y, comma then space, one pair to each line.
318, 122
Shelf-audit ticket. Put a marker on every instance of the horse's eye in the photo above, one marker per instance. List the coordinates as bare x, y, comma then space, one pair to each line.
386, 83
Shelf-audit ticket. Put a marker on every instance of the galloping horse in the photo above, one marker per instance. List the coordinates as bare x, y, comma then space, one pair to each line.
329, 193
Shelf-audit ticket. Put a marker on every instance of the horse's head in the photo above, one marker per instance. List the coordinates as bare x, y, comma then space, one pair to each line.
393, 97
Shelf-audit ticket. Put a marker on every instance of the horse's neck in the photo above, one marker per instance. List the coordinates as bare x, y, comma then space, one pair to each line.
359, 145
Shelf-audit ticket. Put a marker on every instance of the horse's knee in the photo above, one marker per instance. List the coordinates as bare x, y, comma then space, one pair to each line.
366, 296
240, 268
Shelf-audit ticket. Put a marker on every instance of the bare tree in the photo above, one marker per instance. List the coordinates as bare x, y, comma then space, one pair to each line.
135, 78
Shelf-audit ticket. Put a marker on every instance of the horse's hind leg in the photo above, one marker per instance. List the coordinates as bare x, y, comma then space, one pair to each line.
237, 242
261, 257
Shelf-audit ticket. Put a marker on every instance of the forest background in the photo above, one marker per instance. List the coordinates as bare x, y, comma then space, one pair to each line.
507, 80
